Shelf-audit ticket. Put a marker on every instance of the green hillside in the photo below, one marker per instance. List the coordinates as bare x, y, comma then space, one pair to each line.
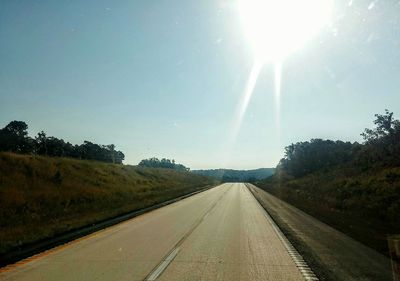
351, 186
365, 206
229, 175
41, 196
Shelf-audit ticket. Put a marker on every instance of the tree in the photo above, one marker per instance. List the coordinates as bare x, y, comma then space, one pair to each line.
382, 143
386, 125
163, 163
303, 158
381, 148
41, 143
14, 137
111, 149
119, 157
17, 128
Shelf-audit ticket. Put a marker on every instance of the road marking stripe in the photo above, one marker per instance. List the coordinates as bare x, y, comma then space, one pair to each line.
303, 267
163, 265
165, 262
300, 263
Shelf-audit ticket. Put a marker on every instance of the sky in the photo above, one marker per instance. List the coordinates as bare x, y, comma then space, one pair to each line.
166, 78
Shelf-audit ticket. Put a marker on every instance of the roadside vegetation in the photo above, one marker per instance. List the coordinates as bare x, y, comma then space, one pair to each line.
41, 197
229, 175
351, 186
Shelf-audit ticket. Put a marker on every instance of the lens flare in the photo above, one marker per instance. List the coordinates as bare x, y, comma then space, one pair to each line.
278, 82
276, 28
241, 110
251, 83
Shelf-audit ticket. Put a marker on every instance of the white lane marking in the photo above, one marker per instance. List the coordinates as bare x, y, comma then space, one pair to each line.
163, 265
303, 267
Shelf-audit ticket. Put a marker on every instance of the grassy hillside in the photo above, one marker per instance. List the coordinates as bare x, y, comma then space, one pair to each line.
364, 205
351, 186
41, 197
229, 175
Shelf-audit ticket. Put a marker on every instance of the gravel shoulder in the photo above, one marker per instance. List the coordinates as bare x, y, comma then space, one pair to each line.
331, 254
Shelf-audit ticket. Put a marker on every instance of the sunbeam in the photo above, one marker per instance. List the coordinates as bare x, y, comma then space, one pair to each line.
251, 83
277, 82
275, 29
242, 107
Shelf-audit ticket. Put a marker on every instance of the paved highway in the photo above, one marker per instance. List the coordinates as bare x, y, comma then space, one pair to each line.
219, 234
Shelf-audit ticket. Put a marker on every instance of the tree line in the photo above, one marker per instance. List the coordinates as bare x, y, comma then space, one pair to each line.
14, 138
163, 163
230, 175
380, 149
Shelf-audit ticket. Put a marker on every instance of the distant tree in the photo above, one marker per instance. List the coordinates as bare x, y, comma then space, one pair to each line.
56, 147
150, 163
163, 163
382, 143
41, 143
17, 128
52, 146
303, 158
105, 153
381, 148
14, 137
111, 149
386, 126
90, 151
119, 157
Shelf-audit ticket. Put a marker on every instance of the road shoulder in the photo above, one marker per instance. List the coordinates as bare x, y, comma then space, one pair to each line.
330, 253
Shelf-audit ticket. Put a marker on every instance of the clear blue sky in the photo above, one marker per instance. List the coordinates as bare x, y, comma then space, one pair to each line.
164, 78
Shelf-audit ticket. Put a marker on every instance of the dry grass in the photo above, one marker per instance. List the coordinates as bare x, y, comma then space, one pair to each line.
41, 197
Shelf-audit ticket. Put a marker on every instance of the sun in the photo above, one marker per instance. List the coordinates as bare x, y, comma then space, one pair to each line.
276, 28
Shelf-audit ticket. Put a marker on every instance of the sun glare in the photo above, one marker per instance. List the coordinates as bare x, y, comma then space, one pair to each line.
276, 28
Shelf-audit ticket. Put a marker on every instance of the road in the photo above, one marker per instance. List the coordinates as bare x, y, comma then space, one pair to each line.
219, 234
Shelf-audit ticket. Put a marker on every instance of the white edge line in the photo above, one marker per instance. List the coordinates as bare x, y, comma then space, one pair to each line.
163, 265
303, 267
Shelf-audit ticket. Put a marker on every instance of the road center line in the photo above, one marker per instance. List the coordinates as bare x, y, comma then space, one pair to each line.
163, 265
155, 273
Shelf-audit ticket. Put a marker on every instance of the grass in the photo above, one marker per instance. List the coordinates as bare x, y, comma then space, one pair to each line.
364, 205
41, 197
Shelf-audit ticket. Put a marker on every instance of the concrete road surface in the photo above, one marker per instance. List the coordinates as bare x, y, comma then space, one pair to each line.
219, 234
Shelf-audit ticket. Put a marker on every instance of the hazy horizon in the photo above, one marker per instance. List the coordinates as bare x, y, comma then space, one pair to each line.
166, 81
